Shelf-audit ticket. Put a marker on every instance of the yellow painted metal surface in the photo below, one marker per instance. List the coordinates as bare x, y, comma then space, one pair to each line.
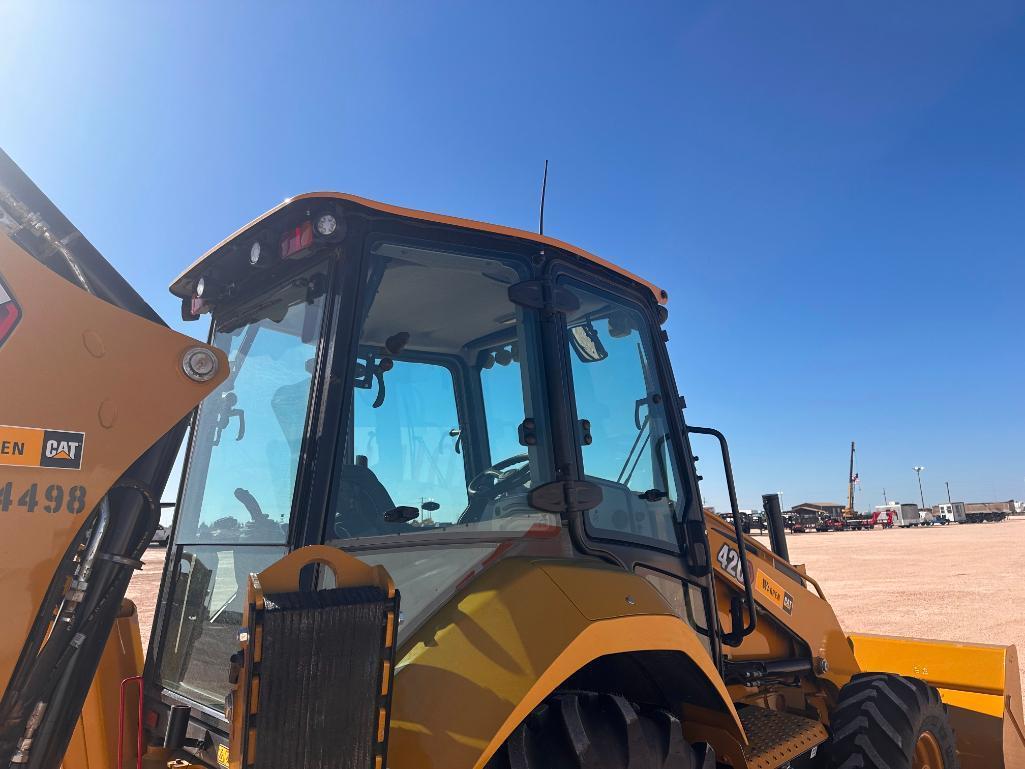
282, 576
493, 653
787, 607
94, 742
600, 592
74, 364
979, 683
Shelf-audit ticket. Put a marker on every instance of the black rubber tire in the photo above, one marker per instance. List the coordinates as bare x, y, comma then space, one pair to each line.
879, 718
587, 730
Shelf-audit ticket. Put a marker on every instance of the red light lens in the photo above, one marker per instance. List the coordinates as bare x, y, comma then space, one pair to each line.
296, 240
10, 314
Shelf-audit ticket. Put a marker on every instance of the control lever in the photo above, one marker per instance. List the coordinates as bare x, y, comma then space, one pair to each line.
228, 402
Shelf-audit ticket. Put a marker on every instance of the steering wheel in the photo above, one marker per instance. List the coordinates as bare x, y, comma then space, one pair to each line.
500, 472
506, 477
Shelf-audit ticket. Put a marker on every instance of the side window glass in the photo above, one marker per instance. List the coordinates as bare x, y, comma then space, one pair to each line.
620, 403
443, 353
205, 612
408, 440
241, 475
502, 390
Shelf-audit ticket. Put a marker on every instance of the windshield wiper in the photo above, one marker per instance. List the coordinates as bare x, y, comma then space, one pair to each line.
641, 425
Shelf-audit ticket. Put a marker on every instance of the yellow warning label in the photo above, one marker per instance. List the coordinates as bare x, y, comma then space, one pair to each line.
222, 755
38, 447
774, 592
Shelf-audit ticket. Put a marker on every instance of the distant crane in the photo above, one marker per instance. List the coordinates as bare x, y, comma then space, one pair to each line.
851, 480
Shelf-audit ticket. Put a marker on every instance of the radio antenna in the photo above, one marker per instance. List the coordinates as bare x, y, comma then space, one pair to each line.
544, 186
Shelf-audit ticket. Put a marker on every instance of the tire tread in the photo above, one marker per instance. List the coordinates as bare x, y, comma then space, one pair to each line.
878, 719
590, 730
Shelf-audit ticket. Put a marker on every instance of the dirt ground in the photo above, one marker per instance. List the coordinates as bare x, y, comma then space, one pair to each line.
957, 583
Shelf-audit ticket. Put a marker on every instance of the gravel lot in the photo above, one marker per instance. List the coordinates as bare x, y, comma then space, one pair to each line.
958, 583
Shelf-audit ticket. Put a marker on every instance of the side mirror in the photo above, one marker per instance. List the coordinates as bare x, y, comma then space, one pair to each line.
586, 343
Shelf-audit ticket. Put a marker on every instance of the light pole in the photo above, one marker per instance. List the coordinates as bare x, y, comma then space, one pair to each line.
921, 495
948, 493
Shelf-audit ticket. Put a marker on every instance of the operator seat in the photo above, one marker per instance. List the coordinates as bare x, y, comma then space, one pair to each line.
360, 501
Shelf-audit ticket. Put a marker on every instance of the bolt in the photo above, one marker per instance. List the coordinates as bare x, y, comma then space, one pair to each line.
200, 364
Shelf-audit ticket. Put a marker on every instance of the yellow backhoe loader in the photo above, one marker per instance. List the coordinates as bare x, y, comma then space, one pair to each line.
440, 510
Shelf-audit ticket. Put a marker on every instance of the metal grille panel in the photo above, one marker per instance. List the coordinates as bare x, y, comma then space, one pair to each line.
320, 679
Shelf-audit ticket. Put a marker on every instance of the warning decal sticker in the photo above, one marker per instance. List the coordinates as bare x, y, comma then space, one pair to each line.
774, 592
37, 447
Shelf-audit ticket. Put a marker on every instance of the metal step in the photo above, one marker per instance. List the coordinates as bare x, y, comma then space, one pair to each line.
776, 737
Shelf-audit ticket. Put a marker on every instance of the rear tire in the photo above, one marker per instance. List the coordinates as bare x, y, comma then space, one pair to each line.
891, 722
588, 730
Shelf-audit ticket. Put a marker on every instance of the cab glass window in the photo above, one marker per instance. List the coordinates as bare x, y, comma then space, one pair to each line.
440, 389
249, 432
204, 617
624, 431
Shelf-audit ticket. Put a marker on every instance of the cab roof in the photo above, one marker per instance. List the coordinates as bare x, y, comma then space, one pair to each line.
182, 285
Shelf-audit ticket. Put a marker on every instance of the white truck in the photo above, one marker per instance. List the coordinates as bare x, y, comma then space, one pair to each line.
953, 512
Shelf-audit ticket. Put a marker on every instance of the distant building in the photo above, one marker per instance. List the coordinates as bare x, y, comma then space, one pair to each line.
830, 509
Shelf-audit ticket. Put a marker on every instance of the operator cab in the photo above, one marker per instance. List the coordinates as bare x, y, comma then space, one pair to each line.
429, 394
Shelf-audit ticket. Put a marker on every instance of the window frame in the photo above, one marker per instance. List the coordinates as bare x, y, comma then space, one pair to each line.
676, 467
338, 281
341, 368
565, 267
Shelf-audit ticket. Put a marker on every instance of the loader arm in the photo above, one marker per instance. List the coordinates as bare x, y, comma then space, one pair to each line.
95, 399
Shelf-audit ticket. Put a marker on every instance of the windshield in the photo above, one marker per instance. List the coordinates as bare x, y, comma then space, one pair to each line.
445, 380
249, 431
239, 482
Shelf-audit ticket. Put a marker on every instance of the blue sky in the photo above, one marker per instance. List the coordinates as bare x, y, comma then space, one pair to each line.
832, 193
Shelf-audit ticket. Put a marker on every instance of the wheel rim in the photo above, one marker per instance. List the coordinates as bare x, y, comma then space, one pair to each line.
927, 752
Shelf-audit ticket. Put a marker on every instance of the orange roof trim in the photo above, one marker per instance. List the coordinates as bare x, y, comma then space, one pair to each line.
660, 295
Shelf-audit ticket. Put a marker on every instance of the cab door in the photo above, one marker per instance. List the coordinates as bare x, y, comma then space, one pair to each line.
631, 446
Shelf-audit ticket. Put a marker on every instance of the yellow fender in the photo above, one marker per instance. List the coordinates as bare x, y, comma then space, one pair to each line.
486, 659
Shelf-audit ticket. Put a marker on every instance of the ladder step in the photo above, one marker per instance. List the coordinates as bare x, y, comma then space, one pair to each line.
776, 737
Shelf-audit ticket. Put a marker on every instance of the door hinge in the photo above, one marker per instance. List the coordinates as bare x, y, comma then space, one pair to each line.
565, 496
543, 295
